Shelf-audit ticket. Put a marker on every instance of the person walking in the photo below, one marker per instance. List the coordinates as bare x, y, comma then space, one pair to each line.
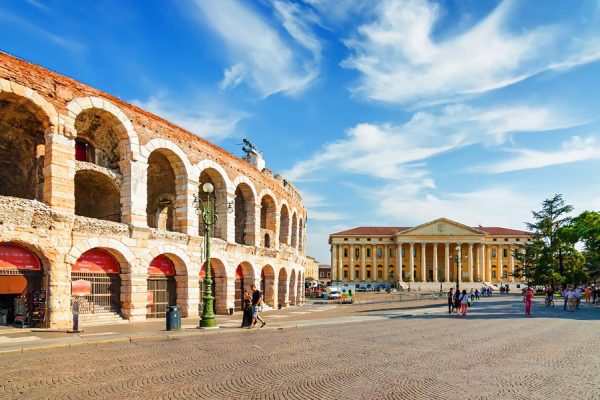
565, 294
588, 295
528, 300
450, 300
577, 297
464, 303
247, 309
256, 302
477, 294
472, 294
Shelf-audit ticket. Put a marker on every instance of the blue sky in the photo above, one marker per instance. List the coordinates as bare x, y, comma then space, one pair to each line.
387, 112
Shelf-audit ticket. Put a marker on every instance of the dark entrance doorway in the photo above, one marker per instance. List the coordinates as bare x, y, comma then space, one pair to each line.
162, 288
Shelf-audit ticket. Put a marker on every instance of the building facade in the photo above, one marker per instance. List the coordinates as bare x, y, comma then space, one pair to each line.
311, 268
324, 274
97, 198
428, 253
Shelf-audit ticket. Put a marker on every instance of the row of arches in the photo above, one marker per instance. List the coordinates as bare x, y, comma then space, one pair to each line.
100, 275
151, 185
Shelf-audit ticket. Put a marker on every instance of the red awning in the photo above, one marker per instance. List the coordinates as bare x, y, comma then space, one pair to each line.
13, 256
13, 284
97, 261
161, 265
239, 272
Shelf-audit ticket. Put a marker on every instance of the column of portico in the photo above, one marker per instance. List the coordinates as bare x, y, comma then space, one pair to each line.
399, 262
411, 271
460, 262
334, 251
500, 270
385, 262
351, 263
470, 279
423, 262
511, 268
447, 262
489, 264
435, 262
363, 264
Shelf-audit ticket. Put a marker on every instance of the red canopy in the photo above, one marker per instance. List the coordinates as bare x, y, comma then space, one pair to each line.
97, 261
161, 265
13, 256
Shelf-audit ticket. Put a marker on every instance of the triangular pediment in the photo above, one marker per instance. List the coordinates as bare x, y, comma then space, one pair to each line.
442, 226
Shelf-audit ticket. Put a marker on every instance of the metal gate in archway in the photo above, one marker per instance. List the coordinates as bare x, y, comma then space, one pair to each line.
161, 295
105, 295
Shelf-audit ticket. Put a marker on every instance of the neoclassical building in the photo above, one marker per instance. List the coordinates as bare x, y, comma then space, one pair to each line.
428, 253
96, 193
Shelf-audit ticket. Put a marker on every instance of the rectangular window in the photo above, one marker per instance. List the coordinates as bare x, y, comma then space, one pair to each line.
379, 252
345, 274
493, 253
391, 252
356, 273
345, 252
493, 274
403, 252
321, 274
368, 252
328, 274
379, 274
356, 253
414, 251
369, 274
505, 253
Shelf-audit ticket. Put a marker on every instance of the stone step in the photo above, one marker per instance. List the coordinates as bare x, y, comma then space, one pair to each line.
101, 318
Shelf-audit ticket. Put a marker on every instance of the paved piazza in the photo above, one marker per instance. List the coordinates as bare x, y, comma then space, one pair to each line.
496, 353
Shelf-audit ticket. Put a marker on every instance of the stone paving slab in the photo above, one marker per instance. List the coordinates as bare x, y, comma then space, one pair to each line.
494, 353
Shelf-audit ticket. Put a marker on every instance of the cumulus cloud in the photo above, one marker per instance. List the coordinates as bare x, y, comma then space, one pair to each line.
401, 62
203, 123
263, 57
395, 152
573, 150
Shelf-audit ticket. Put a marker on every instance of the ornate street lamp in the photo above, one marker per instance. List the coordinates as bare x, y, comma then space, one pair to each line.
458, 261
209, 217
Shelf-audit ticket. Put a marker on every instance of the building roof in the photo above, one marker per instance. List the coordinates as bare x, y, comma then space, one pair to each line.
391, 230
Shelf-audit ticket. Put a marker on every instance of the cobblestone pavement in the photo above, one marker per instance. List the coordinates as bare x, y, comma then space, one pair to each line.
495, 353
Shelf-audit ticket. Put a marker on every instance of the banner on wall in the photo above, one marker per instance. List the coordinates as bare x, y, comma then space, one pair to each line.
13, 256
97, 261
161, 265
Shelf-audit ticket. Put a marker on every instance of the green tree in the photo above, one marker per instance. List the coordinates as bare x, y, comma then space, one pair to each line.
586, 227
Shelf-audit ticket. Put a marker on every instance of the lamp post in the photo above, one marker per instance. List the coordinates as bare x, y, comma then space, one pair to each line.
441, 271
458, 262
209, 218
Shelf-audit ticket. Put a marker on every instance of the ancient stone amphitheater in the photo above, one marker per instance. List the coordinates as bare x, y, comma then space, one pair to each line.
96, 193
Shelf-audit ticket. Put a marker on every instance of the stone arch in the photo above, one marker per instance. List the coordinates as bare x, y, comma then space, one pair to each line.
284, 224
219, 276
128, 141
301, 236
268, 217
211, 172
167, 179
90, 186
282, 290
117, 249
294, 240
267, 285
25, 118
245, 211
180, 259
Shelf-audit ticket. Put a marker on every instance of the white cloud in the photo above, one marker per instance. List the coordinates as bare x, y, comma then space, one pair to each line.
398, 151
206, 124
573, 150
261, 56
317, 215
401, 62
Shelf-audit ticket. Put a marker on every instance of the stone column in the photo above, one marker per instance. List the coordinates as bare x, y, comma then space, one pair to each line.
447, 262
470, 262
334, 249
186, 217
385, 261
500, 262
460, 263
511, 268
58, 276
399, 262
482, 268
59, 172
363, 263
134, 193
134, 296
230, 216
435, 262
489, 264
411, 271
351, 263
423, 262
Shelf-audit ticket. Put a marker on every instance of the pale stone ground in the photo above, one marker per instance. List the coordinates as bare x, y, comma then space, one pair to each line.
496, 353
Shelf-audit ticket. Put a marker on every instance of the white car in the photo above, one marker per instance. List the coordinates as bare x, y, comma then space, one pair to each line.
333, 292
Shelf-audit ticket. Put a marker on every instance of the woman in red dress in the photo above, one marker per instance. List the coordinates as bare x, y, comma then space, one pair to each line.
528, 300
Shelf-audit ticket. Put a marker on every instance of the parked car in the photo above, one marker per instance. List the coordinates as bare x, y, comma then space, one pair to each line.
332, 292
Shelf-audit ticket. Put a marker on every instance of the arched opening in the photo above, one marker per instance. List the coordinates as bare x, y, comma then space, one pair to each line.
219, 286
282, 298
244, 215
22, 148
162, 288
244, 279
22, 297
267, 241
97, 196
161, 192
218, 200
99, 271
300, 236
292, 292
284, 225
97, 141
380, 273
267, 285
299, 288
268, 218
294, 231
